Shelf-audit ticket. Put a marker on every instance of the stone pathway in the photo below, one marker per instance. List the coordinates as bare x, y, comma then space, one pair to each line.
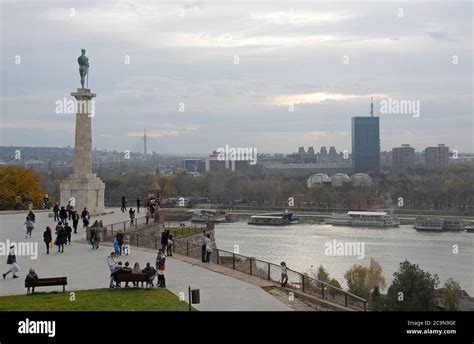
87, 269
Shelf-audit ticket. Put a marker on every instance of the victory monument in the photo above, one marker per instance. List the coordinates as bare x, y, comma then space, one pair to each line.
83, 189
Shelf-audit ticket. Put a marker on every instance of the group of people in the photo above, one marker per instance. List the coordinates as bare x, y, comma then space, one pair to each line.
94, 234
149, 271
68, 213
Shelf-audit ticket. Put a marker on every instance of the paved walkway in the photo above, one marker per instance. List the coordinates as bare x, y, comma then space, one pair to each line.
87, 269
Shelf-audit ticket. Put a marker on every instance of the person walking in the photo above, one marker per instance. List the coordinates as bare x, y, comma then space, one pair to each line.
29, 226
69, 210
161, 267
131, 213
56, 212
47, 238
124, 203
164, 240
147, 215
203, 246
31, 216
138, 204
92, 235
284, 274
63, 215
11, 260
98, 236
61, 239
75, 220
68, 232
85, 218
169, 248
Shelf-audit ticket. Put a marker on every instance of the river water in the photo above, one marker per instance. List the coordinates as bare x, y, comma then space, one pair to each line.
303, 246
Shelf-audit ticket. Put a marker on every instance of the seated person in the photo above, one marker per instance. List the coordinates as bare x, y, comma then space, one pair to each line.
117, 269
126, 269
150, 272
32, 275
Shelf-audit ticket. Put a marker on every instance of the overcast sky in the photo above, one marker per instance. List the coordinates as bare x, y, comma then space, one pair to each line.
237, 67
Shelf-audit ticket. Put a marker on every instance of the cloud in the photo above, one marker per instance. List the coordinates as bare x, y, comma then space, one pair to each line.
167, 130
318, 97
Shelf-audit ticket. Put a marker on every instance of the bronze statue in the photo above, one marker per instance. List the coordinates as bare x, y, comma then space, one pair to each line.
83, 66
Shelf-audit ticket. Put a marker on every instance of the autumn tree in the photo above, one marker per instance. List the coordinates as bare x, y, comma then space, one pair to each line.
19, 185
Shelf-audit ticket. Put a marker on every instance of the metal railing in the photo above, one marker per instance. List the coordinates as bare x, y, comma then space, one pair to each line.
251, 266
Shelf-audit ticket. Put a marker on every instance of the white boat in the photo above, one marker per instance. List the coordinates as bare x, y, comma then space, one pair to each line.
437, 224
273, 219
363, 219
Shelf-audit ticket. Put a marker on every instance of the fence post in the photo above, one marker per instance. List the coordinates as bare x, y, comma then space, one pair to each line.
345, 299
187, 248
218, 257
233, 261
136, 236
136, 223
302, 282
124, 222
322, 289
268, 265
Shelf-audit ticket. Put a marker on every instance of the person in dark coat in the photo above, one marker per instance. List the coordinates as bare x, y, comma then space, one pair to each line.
61, 239
138, 204
120, 237
150, 272
124, 204
164, 241
32, 216
56, 212
31, 276
68, 231
47, 238
75, 220
85, 217
11, 260
131, 213
63, 215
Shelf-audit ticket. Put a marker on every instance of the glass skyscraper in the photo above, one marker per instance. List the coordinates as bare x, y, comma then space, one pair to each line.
366, 144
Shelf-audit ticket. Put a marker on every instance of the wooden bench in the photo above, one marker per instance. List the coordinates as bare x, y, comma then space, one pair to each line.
129, 277
45, 282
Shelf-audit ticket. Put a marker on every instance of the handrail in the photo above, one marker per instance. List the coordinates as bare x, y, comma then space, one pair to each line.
332, 289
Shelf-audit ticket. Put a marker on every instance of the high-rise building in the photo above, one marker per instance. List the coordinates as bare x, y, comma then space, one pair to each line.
366, 144
403, 156
436, 156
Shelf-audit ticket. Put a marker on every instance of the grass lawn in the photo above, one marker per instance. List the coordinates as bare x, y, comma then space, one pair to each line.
125, 299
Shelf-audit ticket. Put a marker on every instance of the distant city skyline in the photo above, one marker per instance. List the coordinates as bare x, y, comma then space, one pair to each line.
269, 75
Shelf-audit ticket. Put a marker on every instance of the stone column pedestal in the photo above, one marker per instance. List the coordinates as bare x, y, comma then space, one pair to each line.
83, 188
